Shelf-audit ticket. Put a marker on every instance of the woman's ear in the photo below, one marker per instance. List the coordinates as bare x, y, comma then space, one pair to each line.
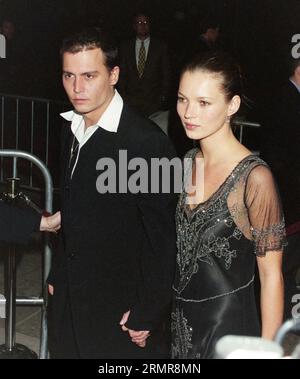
234, 105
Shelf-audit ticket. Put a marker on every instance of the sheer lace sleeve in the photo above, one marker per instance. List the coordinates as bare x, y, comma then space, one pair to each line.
264, 211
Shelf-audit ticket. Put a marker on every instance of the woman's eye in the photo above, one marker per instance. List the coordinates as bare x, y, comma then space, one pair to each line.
203, 103
181, 100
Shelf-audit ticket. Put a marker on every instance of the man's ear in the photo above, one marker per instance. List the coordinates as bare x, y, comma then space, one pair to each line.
234, 105
114, 75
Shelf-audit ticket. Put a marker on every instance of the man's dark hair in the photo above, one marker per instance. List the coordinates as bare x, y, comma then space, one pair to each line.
89, 39
141, 12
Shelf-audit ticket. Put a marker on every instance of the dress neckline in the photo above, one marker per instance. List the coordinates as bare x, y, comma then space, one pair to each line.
222, 185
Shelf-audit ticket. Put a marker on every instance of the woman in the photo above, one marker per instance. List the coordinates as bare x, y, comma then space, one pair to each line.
17, 224
228, 216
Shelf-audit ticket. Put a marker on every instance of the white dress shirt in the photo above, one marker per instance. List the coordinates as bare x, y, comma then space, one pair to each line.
109, 121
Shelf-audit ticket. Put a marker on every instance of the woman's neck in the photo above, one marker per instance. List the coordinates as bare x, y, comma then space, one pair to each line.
221, 146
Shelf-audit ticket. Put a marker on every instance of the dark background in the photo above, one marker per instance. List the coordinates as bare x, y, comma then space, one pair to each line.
258, 32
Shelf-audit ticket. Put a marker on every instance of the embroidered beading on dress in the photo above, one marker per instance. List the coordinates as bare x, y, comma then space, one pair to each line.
183, 332
214, 297
269, 239
217, 242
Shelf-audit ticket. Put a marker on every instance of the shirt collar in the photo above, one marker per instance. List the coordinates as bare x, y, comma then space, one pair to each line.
109, 120
146, 40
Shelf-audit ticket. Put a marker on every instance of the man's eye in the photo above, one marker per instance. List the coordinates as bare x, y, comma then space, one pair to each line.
89, 76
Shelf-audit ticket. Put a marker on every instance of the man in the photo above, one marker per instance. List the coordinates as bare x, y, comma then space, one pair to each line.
210, 31
17, 224
8, 29
14, 59
111, 283
145, 69
206, 40
281, 150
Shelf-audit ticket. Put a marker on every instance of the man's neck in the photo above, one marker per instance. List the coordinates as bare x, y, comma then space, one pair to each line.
143, 38
93, 117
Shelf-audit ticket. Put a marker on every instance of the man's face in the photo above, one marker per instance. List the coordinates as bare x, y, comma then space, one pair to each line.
88, 83
142, 26
8, 29
213, 34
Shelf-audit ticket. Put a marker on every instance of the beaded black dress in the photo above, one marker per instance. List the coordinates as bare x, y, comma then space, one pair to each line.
218, 242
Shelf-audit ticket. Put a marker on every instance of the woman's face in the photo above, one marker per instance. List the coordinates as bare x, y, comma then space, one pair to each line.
202, 105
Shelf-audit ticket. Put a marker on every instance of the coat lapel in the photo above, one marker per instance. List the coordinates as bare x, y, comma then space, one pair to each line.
132, 56
149, 55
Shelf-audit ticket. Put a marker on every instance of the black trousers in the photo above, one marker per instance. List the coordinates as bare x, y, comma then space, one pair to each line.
63, 345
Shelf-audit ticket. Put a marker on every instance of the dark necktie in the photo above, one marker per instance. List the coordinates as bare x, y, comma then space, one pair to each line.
73, 154
141, 59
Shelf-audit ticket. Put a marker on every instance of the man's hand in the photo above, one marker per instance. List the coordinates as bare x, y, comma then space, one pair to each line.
50, 289
138, 337
50, 223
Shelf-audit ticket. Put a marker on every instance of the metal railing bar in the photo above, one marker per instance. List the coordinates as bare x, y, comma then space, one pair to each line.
35, 99
25, 301
47, 251
17, 124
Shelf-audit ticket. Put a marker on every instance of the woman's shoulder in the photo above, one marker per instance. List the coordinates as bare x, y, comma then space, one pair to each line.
258, 171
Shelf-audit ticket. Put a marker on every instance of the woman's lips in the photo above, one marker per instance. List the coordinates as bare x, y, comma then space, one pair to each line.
191, 126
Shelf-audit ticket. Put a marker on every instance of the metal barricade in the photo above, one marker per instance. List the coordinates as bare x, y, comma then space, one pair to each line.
241, 124
291, 325
41, 301
33, 125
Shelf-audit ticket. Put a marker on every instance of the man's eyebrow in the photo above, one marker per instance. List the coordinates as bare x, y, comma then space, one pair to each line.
90, 72
83, 73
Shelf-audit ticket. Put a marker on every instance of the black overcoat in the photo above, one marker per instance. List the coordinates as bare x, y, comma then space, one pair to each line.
17, 224
118, 248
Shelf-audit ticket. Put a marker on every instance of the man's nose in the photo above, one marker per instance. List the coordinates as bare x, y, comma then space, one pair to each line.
78, 85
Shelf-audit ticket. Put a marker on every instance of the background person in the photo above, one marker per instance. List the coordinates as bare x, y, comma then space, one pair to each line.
145, 69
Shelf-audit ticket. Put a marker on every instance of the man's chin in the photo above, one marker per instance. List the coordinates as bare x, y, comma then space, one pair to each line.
81, 110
